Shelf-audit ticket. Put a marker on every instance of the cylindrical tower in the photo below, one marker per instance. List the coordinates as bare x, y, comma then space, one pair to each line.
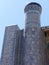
32, 34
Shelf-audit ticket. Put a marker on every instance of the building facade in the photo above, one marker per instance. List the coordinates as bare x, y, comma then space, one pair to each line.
29, 46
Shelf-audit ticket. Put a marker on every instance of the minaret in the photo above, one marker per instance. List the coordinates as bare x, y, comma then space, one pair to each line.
32, 34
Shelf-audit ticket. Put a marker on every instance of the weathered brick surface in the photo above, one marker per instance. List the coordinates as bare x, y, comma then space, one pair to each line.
33, 54
10, 40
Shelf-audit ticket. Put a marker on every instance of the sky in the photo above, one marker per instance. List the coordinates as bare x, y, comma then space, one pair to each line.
12, 13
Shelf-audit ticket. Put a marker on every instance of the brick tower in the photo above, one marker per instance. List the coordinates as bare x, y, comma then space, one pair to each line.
32, 34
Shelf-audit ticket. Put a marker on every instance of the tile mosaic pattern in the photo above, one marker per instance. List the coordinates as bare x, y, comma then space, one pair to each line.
33, 50
10, 40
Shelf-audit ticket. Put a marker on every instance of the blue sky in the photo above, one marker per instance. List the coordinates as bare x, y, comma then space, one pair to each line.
12, 13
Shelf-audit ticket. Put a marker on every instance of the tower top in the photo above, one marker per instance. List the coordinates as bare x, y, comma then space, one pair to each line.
33, 6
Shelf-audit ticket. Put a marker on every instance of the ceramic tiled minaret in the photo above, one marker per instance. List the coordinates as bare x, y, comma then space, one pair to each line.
32, 34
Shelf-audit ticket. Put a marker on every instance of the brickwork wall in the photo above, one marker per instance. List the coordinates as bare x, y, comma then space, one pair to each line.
10, 40
19, 51
43, 48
